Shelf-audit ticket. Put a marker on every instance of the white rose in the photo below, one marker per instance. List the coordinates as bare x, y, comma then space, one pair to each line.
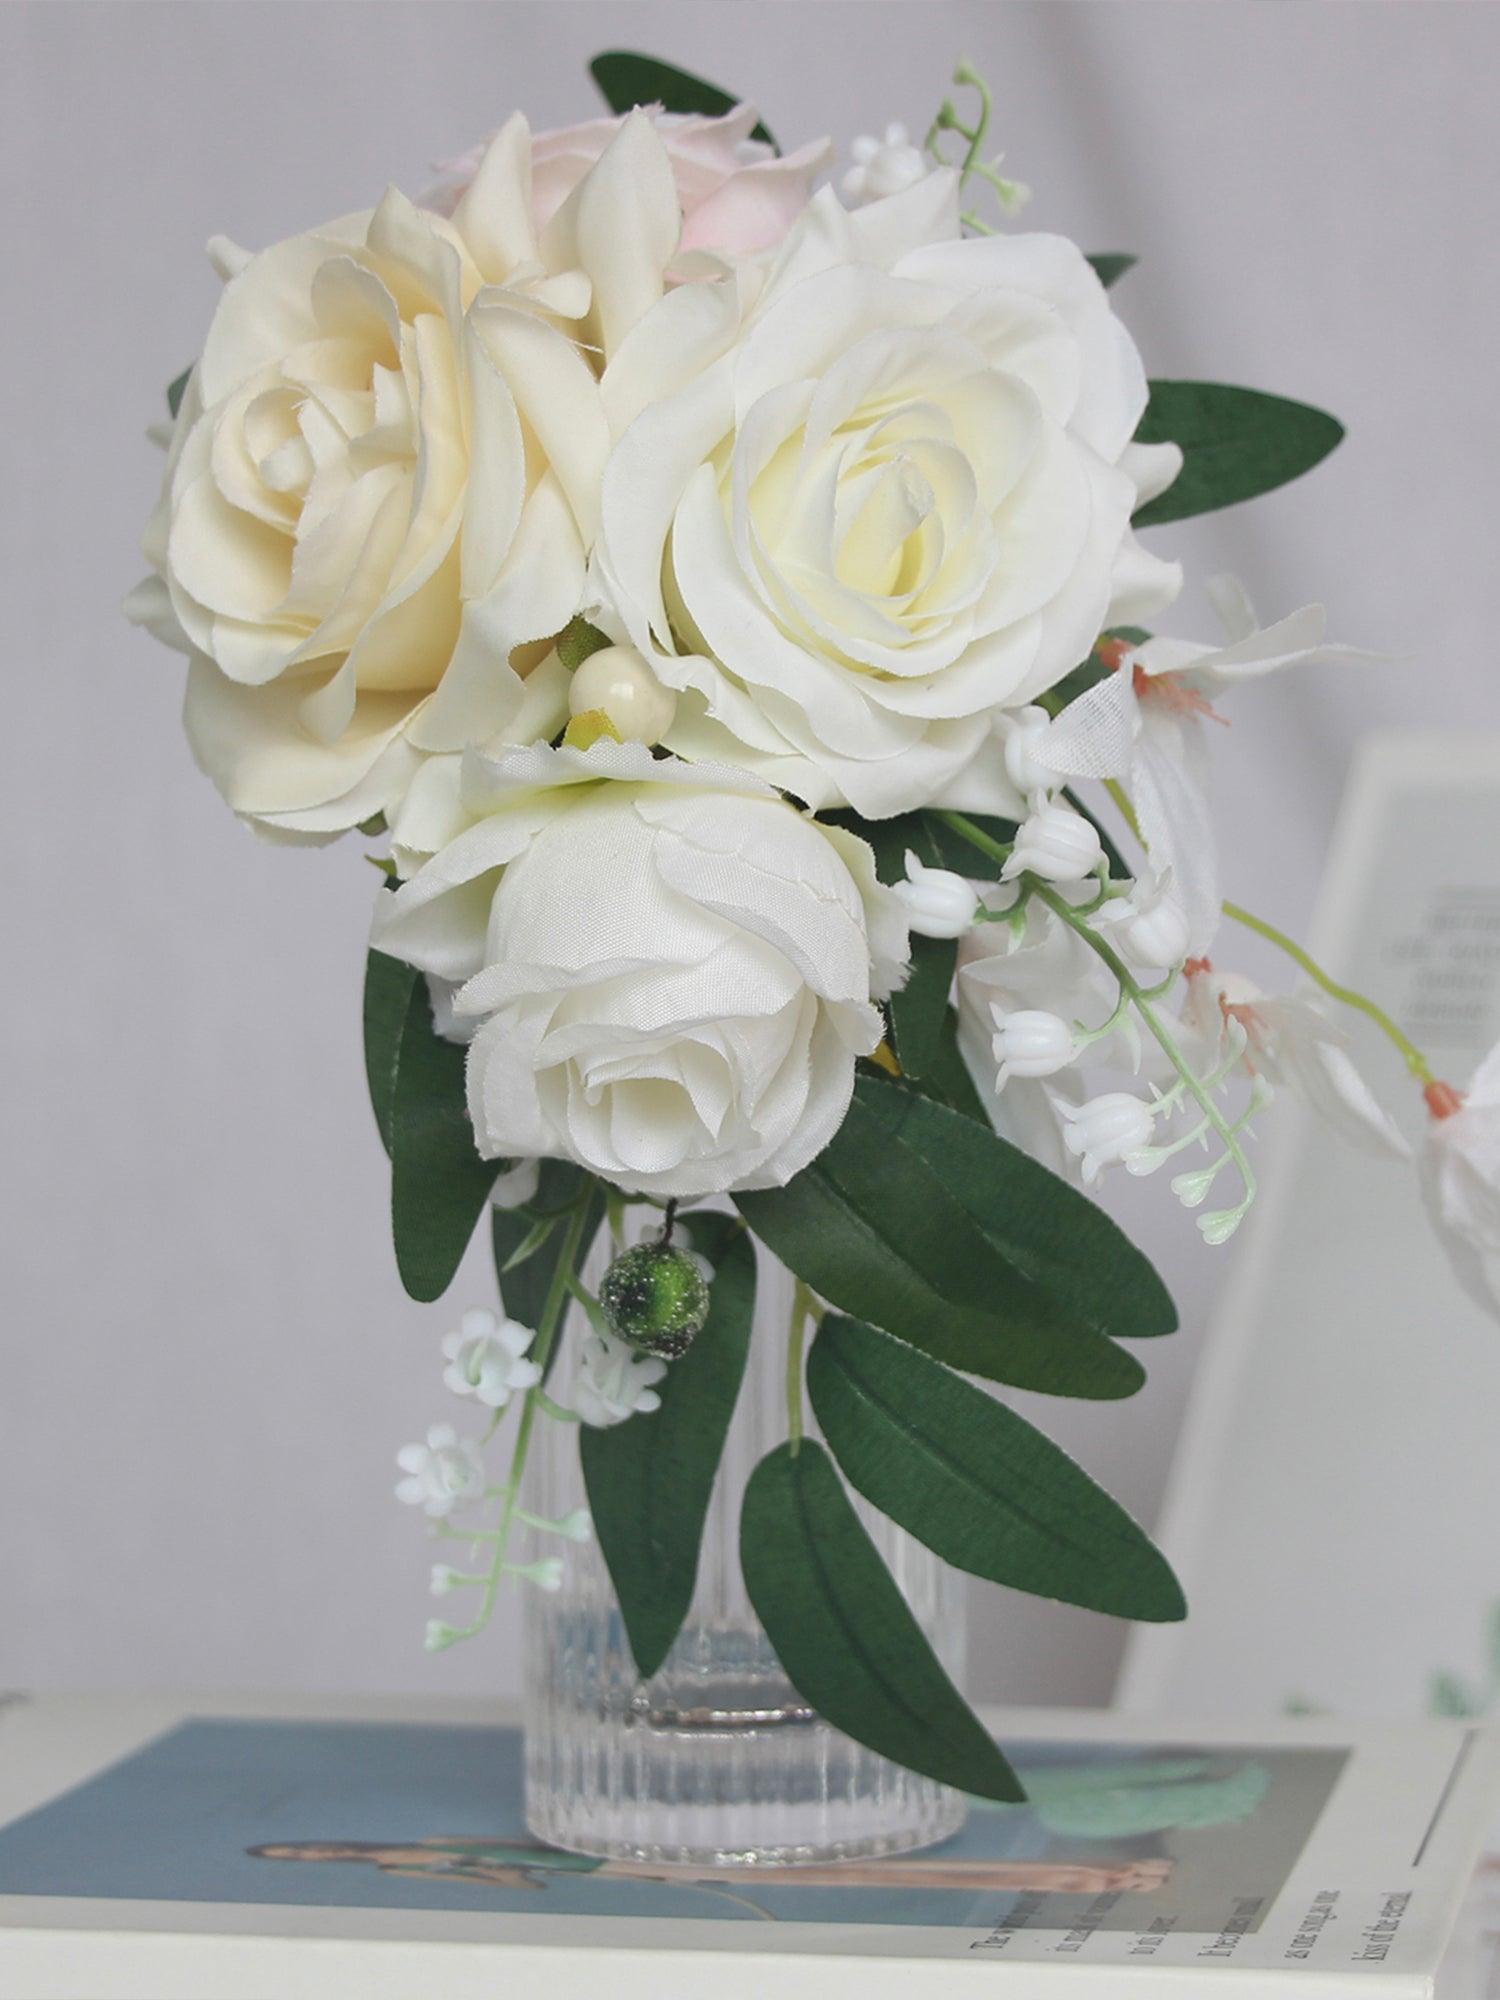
384, 480
671, 968
856, 513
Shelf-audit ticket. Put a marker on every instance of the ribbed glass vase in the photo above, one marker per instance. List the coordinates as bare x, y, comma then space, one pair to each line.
715, 1759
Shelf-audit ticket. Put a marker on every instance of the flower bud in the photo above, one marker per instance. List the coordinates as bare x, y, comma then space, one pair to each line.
1023, 735
1056, 843
1153, 929
618, 683
1030, 1042
1106, 1130
654, 1298
938, 903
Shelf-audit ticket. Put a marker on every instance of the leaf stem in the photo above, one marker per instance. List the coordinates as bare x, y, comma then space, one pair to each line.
1156, 1027
998, 850
1411, 1055
547, 1331
804, 1309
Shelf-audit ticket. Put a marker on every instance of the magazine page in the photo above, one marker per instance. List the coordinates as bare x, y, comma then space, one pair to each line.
1291, 1848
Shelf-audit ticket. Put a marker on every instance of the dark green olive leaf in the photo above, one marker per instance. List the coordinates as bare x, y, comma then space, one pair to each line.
874, 1229
649, 1479
388, 991
1041, 1226
919, 1011
979, 1485
846, 1635
439, 1184
1111, 265
176, 390
1236, 443
626, 79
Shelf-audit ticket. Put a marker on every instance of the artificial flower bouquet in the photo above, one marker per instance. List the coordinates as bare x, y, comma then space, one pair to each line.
726, 591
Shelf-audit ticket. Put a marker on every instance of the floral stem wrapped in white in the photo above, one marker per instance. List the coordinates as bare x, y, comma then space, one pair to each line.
668, 970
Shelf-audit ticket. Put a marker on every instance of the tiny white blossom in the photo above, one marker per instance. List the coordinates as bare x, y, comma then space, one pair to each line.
1030, 1042
1104, 1131
485, 1358
1056, 843
546, 1573
614, 1381
937, 902
1024, 732
884, 166
445, 1578
440, 1473
1151, 925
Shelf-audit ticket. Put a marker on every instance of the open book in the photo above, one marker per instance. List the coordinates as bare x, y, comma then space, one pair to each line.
156, 1849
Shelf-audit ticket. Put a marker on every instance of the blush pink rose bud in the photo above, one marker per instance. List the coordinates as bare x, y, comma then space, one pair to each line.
737, 196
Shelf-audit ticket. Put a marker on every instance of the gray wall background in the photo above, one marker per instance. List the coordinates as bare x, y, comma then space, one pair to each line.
205, 1358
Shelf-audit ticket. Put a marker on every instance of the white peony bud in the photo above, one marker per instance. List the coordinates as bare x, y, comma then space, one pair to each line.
1153, 927
1106, 1130
1030, 1042
1056, 843
1023, 733
617, 681
938, 903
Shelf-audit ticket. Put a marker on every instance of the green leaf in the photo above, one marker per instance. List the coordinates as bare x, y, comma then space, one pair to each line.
577, 640
919, 1011
439, 1184
872, 1227
176, 390
846, 1635
1047, 1232
930, 838
1110, 265
388, 991
946, 1077
649, 1480
626, 79
1236, 443
979, 1485
524, 1286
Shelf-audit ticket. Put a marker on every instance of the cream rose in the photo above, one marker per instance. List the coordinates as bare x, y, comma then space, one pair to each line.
737, 196
668, 970
854, 515
384, 480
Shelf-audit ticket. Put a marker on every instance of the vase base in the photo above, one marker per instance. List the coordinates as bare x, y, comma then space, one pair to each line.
761, 1790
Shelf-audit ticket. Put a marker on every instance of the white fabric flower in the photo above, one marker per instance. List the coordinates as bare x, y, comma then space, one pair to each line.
1143, 724
672, 969
1029, 1042
884, 166
518, 1184
863, 506
440, 1474
1106, 1131
1290, 1041
1149, 925
384, 480
1047, 970
1056, 843
614, 1381
486, 1358
937, 902
737, 195
1460, 1175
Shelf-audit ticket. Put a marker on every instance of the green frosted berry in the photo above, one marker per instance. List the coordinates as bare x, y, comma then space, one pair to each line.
655, 1297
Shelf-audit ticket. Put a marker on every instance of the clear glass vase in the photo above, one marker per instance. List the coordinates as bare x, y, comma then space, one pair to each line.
716, 1759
